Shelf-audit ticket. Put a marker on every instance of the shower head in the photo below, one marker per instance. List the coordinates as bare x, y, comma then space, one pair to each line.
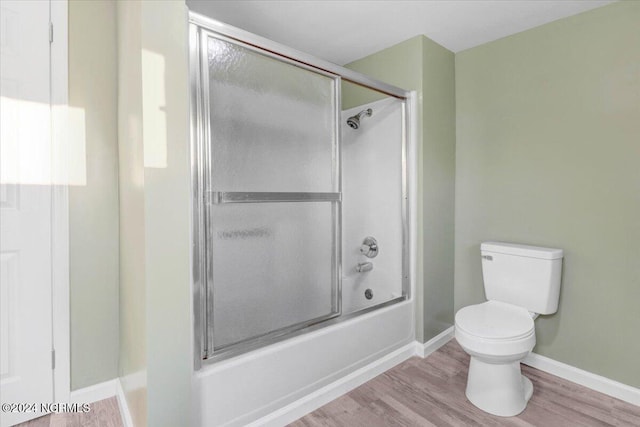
354, 121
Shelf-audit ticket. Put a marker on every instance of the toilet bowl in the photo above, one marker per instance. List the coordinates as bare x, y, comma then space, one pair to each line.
497, 336
520, 282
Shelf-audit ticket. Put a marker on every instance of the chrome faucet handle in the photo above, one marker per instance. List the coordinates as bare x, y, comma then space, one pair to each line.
369, 247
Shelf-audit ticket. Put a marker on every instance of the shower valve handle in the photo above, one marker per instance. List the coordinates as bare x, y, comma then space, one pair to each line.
369, 247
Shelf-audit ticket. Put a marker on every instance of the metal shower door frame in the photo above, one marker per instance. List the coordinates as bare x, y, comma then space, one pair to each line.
200, 28
209, 349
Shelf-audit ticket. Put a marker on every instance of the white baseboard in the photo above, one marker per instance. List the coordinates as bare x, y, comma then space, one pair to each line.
423, 350
94, 393
336, 389
127, 421
595, 382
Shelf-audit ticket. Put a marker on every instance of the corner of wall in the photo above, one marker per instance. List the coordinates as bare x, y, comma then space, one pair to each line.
133, 307
438, 158
167, 206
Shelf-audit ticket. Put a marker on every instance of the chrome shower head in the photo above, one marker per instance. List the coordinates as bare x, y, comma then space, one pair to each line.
354, 121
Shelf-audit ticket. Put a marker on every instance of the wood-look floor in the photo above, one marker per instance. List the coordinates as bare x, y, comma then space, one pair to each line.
430, 392
424, 392
104, 413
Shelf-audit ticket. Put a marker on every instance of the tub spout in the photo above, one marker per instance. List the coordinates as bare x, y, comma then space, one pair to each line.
364, 266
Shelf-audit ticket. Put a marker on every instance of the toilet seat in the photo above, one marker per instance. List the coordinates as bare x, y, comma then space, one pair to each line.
495, 329
495, 320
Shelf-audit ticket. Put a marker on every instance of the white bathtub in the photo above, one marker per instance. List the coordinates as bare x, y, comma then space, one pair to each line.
267, 386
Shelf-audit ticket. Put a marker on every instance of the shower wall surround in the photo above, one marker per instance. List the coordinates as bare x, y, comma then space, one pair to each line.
424, 66
370, 187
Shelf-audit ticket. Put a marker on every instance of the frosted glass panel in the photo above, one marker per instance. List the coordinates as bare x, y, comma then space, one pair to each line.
272, 267
272, 122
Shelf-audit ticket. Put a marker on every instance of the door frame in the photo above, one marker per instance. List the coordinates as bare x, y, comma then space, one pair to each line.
59, 84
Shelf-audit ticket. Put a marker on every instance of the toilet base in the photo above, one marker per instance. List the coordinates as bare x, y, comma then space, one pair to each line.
499, 389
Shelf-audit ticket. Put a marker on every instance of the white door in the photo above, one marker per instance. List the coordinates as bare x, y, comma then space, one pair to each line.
26, 372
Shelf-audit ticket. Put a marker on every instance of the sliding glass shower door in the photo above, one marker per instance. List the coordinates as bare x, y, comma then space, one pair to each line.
269, 170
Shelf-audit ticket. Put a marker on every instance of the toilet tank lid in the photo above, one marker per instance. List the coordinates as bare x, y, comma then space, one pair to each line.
521, 250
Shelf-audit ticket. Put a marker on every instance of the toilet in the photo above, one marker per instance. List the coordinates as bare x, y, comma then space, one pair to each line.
520, 282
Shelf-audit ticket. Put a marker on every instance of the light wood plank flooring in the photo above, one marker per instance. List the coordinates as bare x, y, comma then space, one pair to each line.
104, 413
430, 392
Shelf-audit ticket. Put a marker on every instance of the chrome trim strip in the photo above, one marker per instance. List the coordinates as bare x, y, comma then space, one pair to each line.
406, 237
293, 54
336, 262
222, 197
207, 179
198, 245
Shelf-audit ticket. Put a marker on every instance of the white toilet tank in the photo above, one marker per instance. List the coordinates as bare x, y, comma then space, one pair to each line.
526, 276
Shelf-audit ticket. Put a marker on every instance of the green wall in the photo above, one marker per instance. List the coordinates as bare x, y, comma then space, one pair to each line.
93, 194
548, 153
426, 67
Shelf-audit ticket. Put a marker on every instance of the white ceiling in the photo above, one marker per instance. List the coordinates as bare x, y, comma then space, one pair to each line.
343, 31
